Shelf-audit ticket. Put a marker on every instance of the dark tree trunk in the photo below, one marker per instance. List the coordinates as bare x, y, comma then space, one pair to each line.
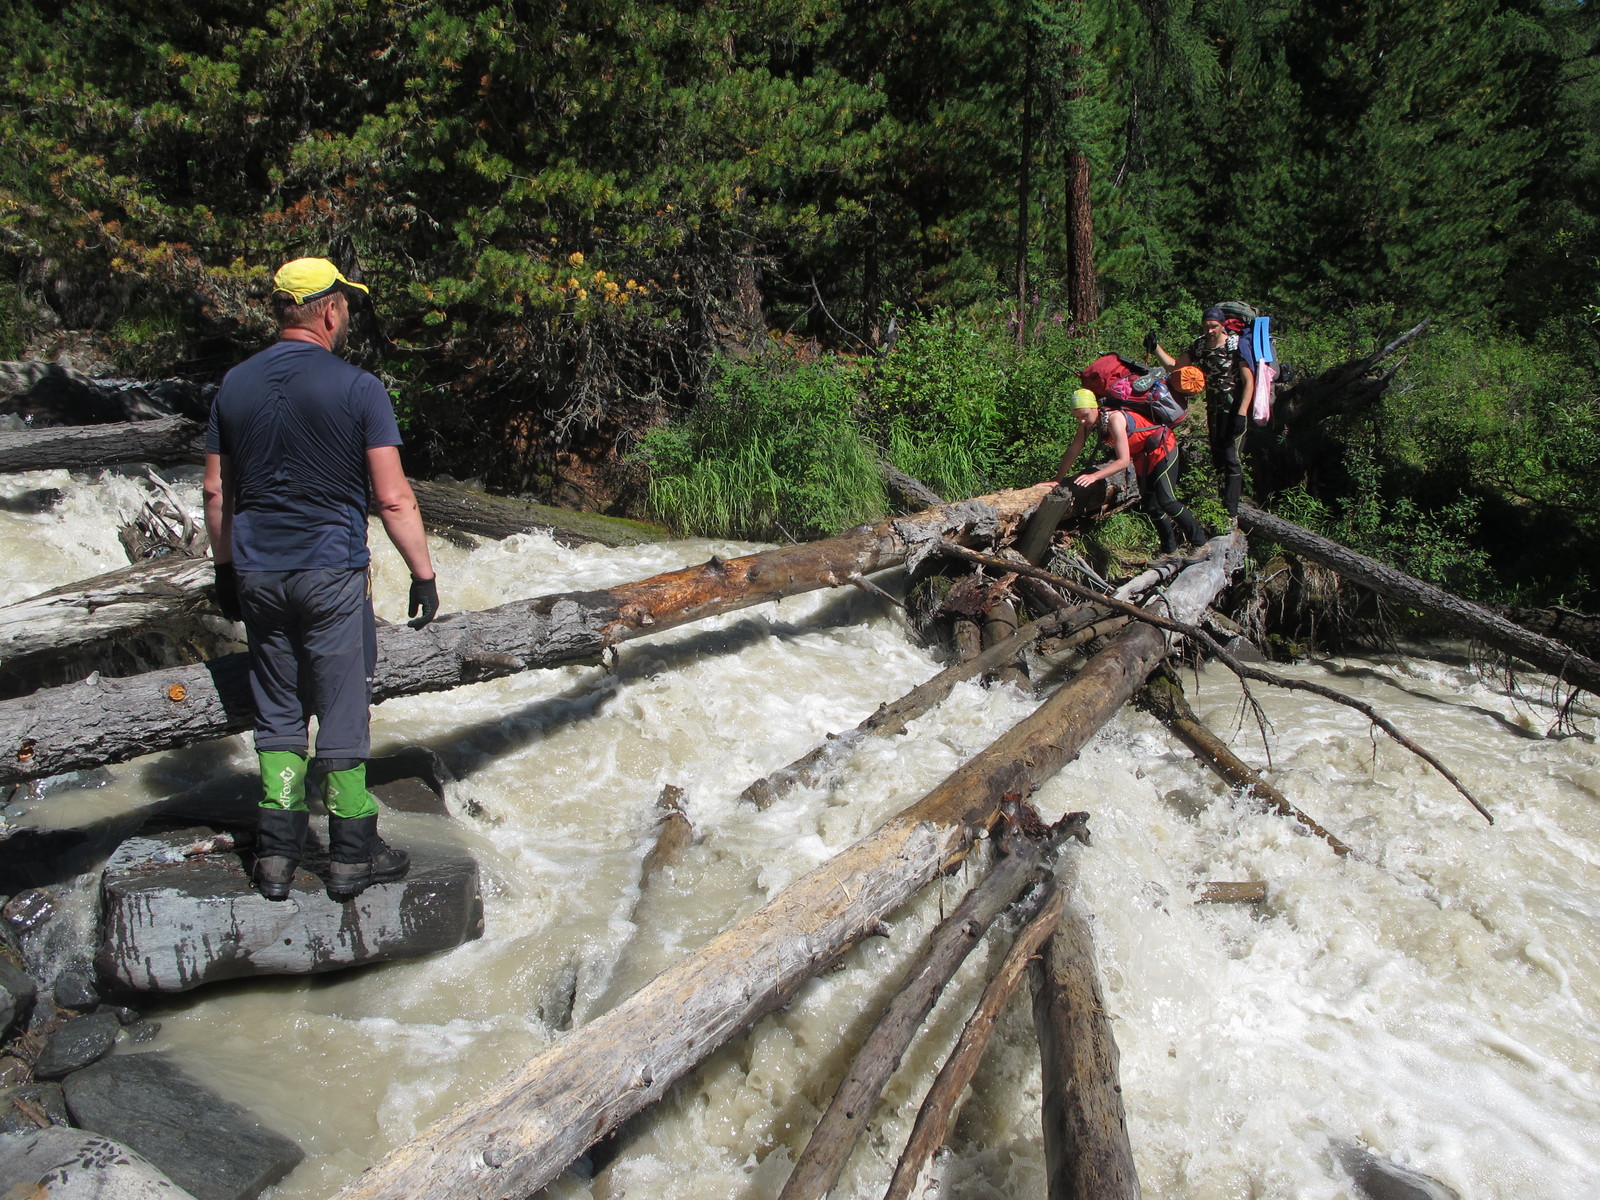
1493, 630
162, 441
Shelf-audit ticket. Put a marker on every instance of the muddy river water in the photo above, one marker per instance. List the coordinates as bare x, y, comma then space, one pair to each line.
1436, 996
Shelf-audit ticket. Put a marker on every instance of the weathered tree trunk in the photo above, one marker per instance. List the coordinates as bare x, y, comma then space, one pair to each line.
1086, 1150
1545, 653
119, 604
1249, 891
856, 1099
109, 720
966, 639
911, 1173
1164, 697
1580, 630
908, 489
519, 1136
444, 506
674, 835
1000, 625
893, 717
163, 441
1066, 503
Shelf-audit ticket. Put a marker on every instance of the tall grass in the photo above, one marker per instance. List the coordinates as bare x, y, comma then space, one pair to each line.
772, 451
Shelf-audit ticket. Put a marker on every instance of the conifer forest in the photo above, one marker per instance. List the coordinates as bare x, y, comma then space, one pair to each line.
714, 263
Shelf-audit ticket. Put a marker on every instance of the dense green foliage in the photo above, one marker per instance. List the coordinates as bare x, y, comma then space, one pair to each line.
571, 213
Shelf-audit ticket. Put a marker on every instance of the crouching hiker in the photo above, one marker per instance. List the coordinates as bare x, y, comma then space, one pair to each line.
296, 436
1149, 448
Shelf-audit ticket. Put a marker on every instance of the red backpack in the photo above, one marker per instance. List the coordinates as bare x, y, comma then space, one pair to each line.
1099, 375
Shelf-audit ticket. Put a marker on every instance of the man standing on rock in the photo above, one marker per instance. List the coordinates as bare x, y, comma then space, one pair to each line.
296, 436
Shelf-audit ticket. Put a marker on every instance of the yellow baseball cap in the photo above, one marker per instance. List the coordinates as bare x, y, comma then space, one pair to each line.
307, 279
1084, 398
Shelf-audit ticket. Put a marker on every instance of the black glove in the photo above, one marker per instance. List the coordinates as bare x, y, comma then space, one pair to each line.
1151, 341
1236, 425
228, 592
424, 600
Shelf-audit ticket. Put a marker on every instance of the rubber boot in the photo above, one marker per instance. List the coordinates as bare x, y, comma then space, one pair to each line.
358, 857
281, 822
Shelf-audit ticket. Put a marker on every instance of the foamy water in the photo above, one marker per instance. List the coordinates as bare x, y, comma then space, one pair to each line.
1434, 995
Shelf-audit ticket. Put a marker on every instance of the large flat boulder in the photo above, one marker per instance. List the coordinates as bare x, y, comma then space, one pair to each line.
172, 921
216, 1149
69, 1164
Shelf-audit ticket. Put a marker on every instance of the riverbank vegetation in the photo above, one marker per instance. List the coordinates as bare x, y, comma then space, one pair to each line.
714, 262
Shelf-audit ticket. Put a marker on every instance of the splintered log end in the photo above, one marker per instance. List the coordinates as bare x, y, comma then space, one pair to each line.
1246, 892
1072, 825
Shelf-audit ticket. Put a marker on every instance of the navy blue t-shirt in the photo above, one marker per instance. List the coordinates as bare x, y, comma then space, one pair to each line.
295, 423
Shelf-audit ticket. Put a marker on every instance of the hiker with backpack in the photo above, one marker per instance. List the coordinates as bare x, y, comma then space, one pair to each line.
1230, 388
1135, 440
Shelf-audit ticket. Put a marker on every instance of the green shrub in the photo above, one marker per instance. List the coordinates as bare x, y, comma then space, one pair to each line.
771, 451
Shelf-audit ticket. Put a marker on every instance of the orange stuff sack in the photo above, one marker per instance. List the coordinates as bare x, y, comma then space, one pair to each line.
1187, 381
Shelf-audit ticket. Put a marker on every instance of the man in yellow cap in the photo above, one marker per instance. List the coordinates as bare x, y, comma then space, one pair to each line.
296, 436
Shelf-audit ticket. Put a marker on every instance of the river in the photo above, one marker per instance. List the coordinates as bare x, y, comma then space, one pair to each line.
1434, 996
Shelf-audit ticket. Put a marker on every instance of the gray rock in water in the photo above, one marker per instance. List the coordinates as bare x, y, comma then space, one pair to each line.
172, 926
17, 994
75, 990
69, 1164
77, 1044
20, 1108
1379, 1179
214, 1148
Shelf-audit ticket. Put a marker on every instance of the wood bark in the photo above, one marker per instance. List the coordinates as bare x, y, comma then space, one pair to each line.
1249, 891
520, 1135
1580, 630
1164, 697
110, 720
1000, 625
119, 604
852, 1106
162, 441
1488, 627
674, 836
1086, 1149
928, 1133
448, 507
892, 718
908, 489
1068, 503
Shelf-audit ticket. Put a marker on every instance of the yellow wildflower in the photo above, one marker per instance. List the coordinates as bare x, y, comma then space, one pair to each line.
575, 258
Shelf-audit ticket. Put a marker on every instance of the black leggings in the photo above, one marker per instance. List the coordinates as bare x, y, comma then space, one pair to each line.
1164, 508
1225, 445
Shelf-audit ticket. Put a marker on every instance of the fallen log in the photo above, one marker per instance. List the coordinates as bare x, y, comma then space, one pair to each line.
1163, 696
520, 1135
1580, 630
1067, 503
1242, 670
908, 490
892, 718
835, 1136
911, 1173
674, 836
1000, 625
163, 441
157, 594
1248, 891
449, 507
109, 720
1086, 1149
1547, 654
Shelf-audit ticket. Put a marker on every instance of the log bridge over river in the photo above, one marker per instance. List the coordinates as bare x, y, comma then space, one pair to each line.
520, 1135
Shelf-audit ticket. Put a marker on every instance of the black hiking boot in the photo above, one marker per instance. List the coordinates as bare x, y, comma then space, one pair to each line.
280, 840
359, 858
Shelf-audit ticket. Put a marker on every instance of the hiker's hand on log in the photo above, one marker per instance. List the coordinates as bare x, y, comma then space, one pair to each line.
1087, 479
424, 600
227, 588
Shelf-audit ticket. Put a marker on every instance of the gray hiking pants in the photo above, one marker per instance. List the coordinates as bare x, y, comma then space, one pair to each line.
313, 649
